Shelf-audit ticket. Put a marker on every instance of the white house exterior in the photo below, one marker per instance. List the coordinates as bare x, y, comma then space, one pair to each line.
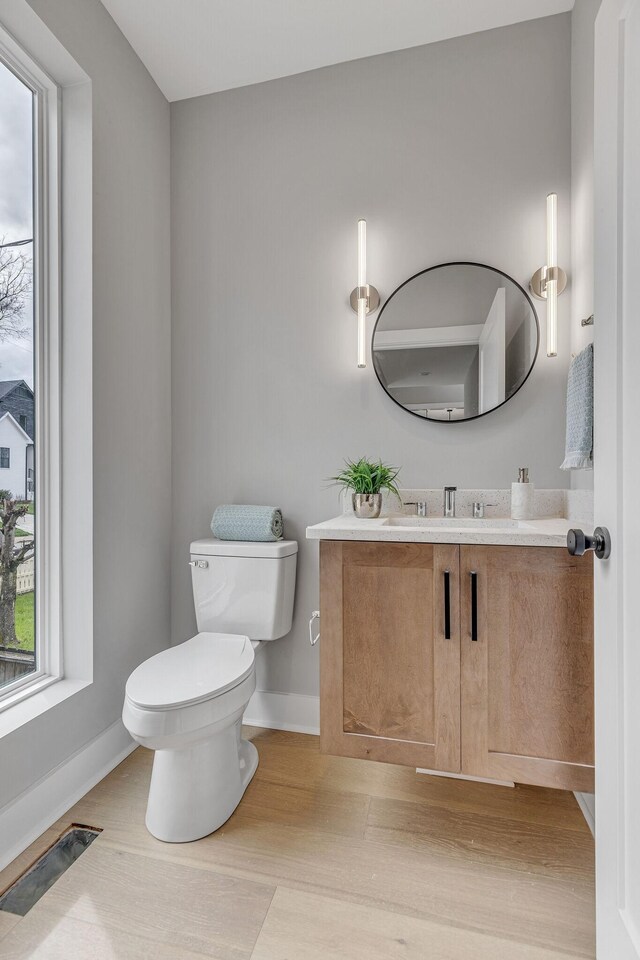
16, 459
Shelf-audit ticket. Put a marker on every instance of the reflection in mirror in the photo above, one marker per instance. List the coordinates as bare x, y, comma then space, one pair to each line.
455, 341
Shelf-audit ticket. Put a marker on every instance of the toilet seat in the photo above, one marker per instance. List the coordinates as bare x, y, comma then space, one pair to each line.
201, 669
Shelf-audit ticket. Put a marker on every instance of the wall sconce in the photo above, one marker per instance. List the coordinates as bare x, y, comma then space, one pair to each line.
364, 298
549, 281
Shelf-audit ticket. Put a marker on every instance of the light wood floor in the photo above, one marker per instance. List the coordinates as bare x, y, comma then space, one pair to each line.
325, 859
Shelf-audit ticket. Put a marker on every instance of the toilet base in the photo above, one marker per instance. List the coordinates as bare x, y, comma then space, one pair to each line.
195, 790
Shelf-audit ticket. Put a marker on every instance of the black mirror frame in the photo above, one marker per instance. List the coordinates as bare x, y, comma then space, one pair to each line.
437, 266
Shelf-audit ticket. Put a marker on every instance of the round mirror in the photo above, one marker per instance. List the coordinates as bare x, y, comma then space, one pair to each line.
455, 341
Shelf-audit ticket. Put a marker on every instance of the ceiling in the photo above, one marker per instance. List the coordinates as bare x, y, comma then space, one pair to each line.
195, 47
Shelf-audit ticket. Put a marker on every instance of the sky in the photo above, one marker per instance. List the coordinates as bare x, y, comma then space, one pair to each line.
16, 210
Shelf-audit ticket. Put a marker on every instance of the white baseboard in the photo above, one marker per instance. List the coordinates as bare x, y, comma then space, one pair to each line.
587, 803
284, 711
34, 811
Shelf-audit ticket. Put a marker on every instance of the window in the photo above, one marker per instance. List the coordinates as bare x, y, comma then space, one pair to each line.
58, 440
29, 405
18, 170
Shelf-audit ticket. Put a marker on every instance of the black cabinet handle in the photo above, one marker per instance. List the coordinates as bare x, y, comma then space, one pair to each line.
447, 607
474, 605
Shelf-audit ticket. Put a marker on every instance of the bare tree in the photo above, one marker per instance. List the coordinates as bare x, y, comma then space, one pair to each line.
10, 559
15, 286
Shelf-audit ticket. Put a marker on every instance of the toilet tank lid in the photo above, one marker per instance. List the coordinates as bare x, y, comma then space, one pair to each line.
277, 549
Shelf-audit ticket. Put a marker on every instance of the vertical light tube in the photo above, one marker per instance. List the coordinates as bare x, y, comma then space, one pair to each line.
362, 253
362, 337
552, 318
552, 230
551, 286
362, 301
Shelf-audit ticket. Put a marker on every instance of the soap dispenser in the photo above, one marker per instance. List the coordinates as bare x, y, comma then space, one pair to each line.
522, 497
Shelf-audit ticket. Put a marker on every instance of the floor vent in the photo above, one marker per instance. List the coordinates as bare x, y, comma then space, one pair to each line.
41, 875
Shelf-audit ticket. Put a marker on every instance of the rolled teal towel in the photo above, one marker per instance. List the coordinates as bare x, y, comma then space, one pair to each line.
240, 522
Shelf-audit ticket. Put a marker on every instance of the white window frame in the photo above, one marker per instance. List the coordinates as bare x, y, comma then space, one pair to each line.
28, 39
47, 363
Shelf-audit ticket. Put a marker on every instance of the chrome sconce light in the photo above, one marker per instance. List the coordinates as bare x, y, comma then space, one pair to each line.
549, 281
364, 298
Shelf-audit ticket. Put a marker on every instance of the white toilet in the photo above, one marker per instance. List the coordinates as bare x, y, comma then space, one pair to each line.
187, 702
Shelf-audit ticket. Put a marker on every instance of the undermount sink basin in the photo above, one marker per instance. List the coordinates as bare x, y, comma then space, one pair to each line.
456, 523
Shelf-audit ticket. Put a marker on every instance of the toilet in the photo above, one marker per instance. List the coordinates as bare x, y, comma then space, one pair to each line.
186, 703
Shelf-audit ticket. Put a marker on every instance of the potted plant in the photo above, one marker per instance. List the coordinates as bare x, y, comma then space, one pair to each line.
367, 480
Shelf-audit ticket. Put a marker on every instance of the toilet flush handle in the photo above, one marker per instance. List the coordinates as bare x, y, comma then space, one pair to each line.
313, 640
200, 564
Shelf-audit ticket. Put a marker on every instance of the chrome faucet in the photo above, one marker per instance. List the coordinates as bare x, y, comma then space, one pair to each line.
420, 505
478, 509
450, 501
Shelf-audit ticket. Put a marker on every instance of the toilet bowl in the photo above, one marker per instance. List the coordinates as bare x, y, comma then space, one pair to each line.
186, 703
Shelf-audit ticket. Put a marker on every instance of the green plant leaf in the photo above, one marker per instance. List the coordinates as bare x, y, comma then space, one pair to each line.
368, 476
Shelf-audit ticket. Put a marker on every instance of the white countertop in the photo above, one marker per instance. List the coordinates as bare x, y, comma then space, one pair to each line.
551, 532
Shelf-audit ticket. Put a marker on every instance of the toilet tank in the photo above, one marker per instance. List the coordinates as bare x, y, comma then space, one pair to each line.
244, 588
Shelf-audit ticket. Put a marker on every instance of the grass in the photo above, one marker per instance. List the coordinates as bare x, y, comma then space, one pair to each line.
25, 620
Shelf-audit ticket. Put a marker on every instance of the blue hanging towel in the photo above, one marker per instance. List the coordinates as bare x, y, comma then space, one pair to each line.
579, 443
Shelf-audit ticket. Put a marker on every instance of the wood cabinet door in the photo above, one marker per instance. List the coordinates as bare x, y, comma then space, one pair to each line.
527, 680
389, 677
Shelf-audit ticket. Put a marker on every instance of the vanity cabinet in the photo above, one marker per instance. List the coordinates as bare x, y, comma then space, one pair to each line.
527, 680
464, 659
389, 680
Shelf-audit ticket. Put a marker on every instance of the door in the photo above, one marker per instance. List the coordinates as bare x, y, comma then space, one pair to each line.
390, 652
527, 665
617, 468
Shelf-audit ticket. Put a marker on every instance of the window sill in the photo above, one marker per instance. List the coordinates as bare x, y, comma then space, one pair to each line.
36, 700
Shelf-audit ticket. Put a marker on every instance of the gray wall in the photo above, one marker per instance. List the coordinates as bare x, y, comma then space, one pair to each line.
449, 151
131, 377
583, 18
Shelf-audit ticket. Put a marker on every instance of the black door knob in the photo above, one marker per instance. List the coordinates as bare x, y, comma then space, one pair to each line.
579, 543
